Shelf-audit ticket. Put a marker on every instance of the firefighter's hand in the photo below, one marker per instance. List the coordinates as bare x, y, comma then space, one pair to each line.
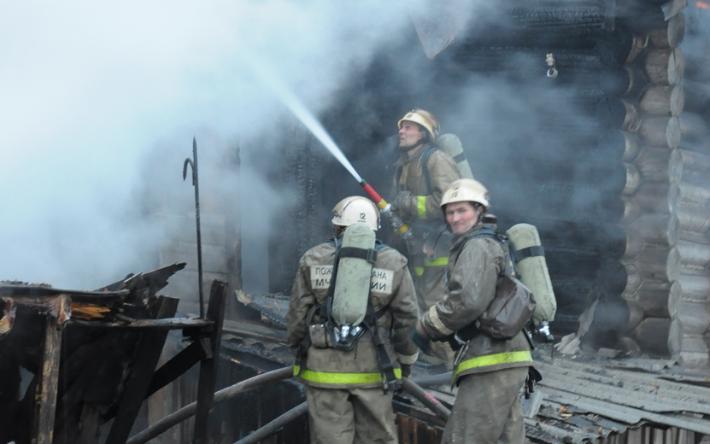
403, 202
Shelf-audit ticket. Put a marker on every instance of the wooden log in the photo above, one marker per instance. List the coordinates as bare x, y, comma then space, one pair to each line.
637, 82
683, 194
649, 198
691, 350
694, 127
633, 179
664, 66
694, 219
647, 287
651, 297
688, 258
631, 121
652, 163
621, 46
689, 167
691, 287
652, 335
660, 131
663, 100
693, 316
638, 247
654, 228
631, 146
671, 35
636, 315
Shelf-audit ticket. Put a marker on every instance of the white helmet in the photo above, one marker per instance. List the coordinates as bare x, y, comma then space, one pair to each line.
425, 119
465, 190
354, 209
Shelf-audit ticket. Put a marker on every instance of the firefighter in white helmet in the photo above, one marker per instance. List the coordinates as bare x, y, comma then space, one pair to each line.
352, 342
490, 372
422, 173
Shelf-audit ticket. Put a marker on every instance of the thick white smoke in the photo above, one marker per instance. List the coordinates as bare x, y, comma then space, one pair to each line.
89, 90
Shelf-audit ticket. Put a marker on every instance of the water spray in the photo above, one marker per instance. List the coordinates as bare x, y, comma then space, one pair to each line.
310, 122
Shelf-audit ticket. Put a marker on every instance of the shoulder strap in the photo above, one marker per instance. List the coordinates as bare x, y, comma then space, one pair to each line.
502, 239
423, 162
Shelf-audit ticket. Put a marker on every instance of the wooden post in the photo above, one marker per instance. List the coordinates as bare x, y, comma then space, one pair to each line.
46, 398
208, 367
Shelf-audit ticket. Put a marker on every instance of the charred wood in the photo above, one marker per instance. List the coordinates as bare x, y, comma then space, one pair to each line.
652, 335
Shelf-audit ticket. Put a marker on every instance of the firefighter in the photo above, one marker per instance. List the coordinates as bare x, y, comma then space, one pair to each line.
422, 173
490, 373
350, 373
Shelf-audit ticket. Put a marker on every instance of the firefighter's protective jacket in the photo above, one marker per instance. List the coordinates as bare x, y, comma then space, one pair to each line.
474, 267
424, 204
392, 294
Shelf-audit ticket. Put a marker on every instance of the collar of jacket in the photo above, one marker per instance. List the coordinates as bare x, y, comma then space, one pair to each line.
412, 154
459, 240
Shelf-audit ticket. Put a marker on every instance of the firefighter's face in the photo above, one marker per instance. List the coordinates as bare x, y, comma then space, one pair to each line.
410, 135
461, 216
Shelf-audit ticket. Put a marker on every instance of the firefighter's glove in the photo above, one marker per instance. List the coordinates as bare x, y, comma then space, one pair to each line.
403, 203
531, 380
406, 370
420, 339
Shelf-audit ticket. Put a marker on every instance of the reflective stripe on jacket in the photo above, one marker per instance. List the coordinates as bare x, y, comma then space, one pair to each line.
339, 379
394, 296
474, 267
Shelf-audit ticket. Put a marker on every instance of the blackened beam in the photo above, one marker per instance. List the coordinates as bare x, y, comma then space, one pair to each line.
158, 324
145, 361
208, 366
46, 403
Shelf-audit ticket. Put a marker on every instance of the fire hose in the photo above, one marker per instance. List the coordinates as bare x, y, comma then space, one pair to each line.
276, 424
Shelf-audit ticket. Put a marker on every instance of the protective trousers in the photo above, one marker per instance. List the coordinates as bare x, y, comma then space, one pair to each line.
487, 409
350, 416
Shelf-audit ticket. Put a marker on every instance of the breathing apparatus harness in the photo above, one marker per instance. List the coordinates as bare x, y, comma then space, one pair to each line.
346, 337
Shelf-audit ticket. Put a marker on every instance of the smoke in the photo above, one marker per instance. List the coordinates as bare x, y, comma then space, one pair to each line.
100, 103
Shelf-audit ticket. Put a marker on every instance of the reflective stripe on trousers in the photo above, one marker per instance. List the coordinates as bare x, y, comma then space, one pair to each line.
341, 378
441, 261
513, 357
